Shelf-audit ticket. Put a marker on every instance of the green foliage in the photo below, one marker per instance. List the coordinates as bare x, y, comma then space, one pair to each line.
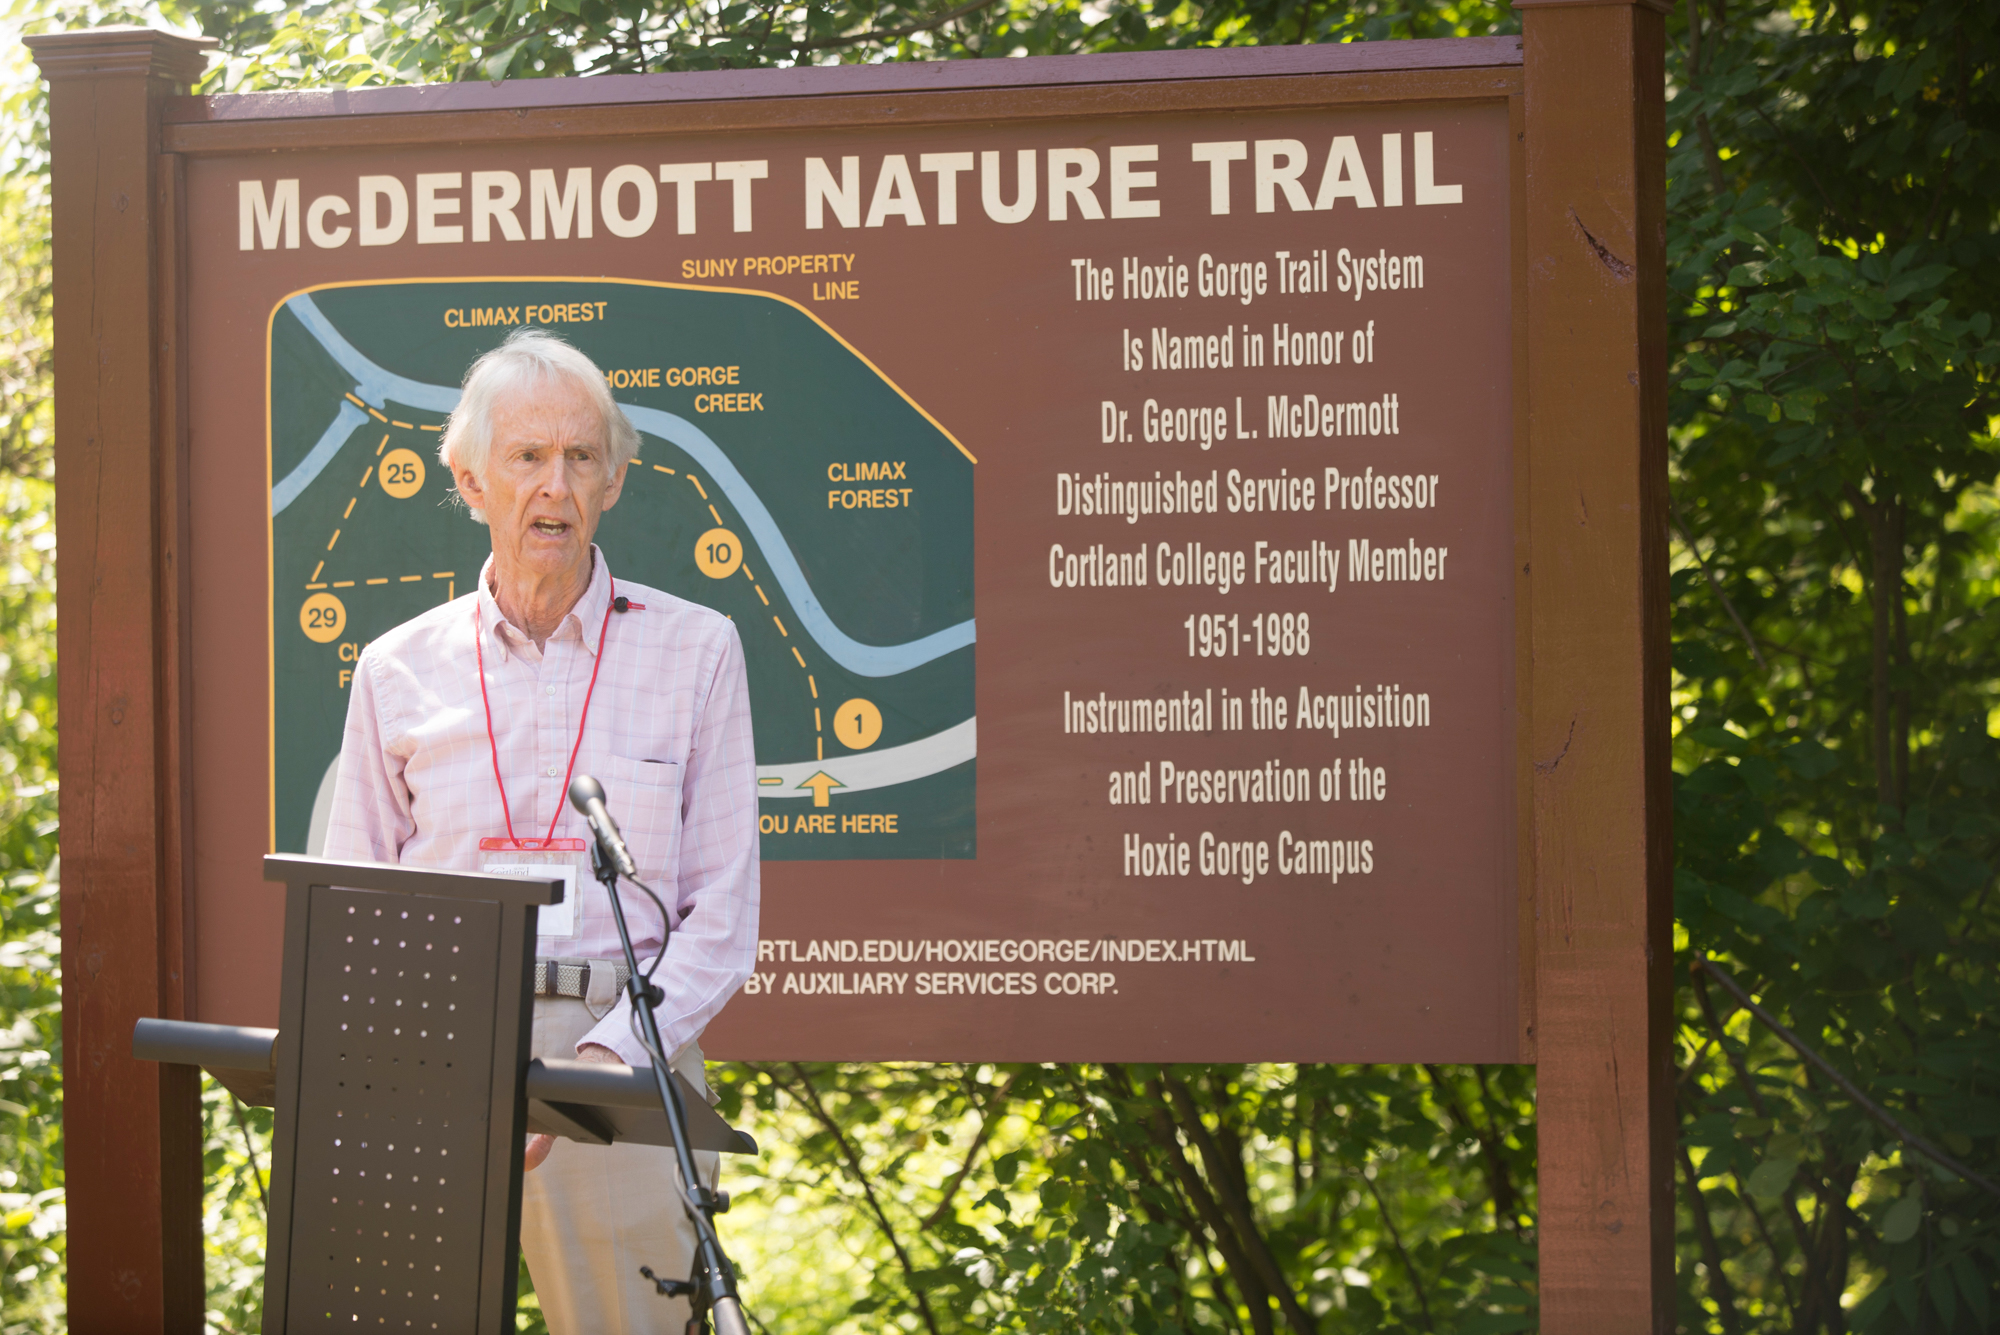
236, 1163
354, 42
31, 1192
1148, 1199
1832, 234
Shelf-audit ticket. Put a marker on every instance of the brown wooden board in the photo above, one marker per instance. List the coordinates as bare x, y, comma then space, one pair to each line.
132, 1131
1599, 745
1068, 894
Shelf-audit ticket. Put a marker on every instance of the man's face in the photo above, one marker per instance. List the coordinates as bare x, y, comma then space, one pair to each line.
548, 480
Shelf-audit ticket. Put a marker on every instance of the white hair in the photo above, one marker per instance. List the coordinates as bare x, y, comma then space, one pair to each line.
528, 359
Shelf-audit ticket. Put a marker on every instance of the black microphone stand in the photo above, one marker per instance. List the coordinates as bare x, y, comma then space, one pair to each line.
712, 1286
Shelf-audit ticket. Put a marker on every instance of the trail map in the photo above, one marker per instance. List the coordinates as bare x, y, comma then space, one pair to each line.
782, 480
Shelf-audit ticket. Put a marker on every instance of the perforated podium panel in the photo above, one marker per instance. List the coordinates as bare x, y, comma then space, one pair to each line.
404, 1029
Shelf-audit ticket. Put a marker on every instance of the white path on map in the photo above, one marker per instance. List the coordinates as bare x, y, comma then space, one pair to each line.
854, 774
877, 769
377, 386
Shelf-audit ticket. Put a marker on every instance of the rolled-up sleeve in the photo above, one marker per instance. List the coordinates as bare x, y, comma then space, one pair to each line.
715, 901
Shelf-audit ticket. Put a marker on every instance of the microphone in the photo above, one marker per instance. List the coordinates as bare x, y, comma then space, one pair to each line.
728, 1316
587, 796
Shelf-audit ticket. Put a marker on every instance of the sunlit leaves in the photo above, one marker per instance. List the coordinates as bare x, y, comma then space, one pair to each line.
1832, 245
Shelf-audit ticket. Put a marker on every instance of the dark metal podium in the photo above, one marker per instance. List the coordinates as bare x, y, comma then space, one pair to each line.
400, 1077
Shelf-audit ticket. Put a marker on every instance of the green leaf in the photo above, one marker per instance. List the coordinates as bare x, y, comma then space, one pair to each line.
1770, 1178
1974, 1286
1944, 1294
1810, 760
1900, 1224
1869, 1308
498, 63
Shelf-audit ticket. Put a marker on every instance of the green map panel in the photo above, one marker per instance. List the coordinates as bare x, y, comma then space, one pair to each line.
863, 701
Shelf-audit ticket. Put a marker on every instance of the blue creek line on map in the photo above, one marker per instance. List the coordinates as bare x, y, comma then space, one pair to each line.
378, 386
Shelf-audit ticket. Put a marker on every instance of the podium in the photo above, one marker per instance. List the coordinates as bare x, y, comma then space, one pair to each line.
402, 1088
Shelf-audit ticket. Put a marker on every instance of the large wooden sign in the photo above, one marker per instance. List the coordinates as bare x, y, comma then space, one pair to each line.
1192, 521
1116, 511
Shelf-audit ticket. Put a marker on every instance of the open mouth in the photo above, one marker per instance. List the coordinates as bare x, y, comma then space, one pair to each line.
554, 528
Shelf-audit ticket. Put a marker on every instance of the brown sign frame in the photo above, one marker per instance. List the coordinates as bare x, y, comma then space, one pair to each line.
1584, 86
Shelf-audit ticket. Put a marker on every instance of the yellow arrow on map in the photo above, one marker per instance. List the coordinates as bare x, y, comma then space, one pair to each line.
822, 784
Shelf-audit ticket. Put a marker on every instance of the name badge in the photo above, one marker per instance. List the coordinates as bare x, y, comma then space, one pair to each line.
547, 860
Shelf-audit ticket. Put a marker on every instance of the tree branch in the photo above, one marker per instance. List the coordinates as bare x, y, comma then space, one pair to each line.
1826, 1265
847, 1152
1882, 1115
1711, 1254
1811, 175
1799, 1230
895, 34
1219, 1295
250, 1152
1674, 509
1735, 1062
1235, 1200
986, 1121
1402, 1252
1161, 1129
1770, 1243
1301, 1122
1694, 1063
1499, 1185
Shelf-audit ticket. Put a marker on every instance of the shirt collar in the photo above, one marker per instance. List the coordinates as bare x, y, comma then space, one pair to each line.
587, 616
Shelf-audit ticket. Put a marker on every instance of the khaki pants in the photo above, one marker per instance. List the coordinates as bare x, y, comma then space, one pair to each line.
591, 1215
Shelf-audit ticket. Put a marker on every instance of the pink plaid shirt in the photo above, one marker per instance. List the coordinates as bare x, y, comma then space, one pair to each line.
668, 736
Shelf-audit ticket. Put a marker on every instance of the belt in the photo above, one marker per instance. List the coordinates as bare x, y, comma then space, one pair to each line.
597, 981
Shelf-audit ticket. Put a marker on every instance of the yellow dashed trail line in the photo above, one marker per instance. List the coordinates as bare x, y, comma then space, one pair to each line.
450, 577
819, 738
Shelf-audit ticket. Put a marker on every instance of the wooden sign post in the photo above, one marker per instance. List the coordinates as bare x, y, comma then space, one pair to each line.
1196, 524
1598, 742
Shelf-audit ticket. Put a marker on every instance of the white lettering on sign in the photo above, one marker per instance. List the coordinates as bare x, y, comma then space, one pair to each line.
1067, 185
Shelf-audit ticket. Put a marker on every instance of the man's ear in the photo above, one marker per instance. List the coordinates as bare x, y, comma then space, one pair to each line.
617, 487
469, 489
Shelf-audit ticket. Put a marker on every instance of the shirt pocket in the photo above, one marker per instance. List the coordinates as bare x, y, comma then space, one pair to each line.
644, 797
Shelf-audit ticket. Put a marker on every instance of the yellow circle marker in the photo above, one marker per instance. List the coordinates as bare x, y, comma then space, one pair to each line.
719, 553
323, 617
857, 724
402, 473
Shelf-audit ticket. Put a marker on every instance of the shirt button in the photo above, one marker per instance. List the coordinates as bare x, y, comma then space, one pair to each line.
552, 690
553, 771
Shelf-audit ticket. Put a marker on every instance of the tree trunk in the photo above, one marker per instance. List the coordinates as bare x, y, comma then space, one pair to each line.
1889, 726
1711, 1251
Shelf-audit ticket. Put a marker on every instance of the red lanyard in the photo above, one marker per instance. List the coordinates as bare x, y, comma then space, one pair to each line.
479, 648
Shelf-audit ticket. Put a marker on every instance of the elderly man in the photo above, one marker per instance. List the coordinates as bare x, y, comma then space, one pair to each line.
463, 730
